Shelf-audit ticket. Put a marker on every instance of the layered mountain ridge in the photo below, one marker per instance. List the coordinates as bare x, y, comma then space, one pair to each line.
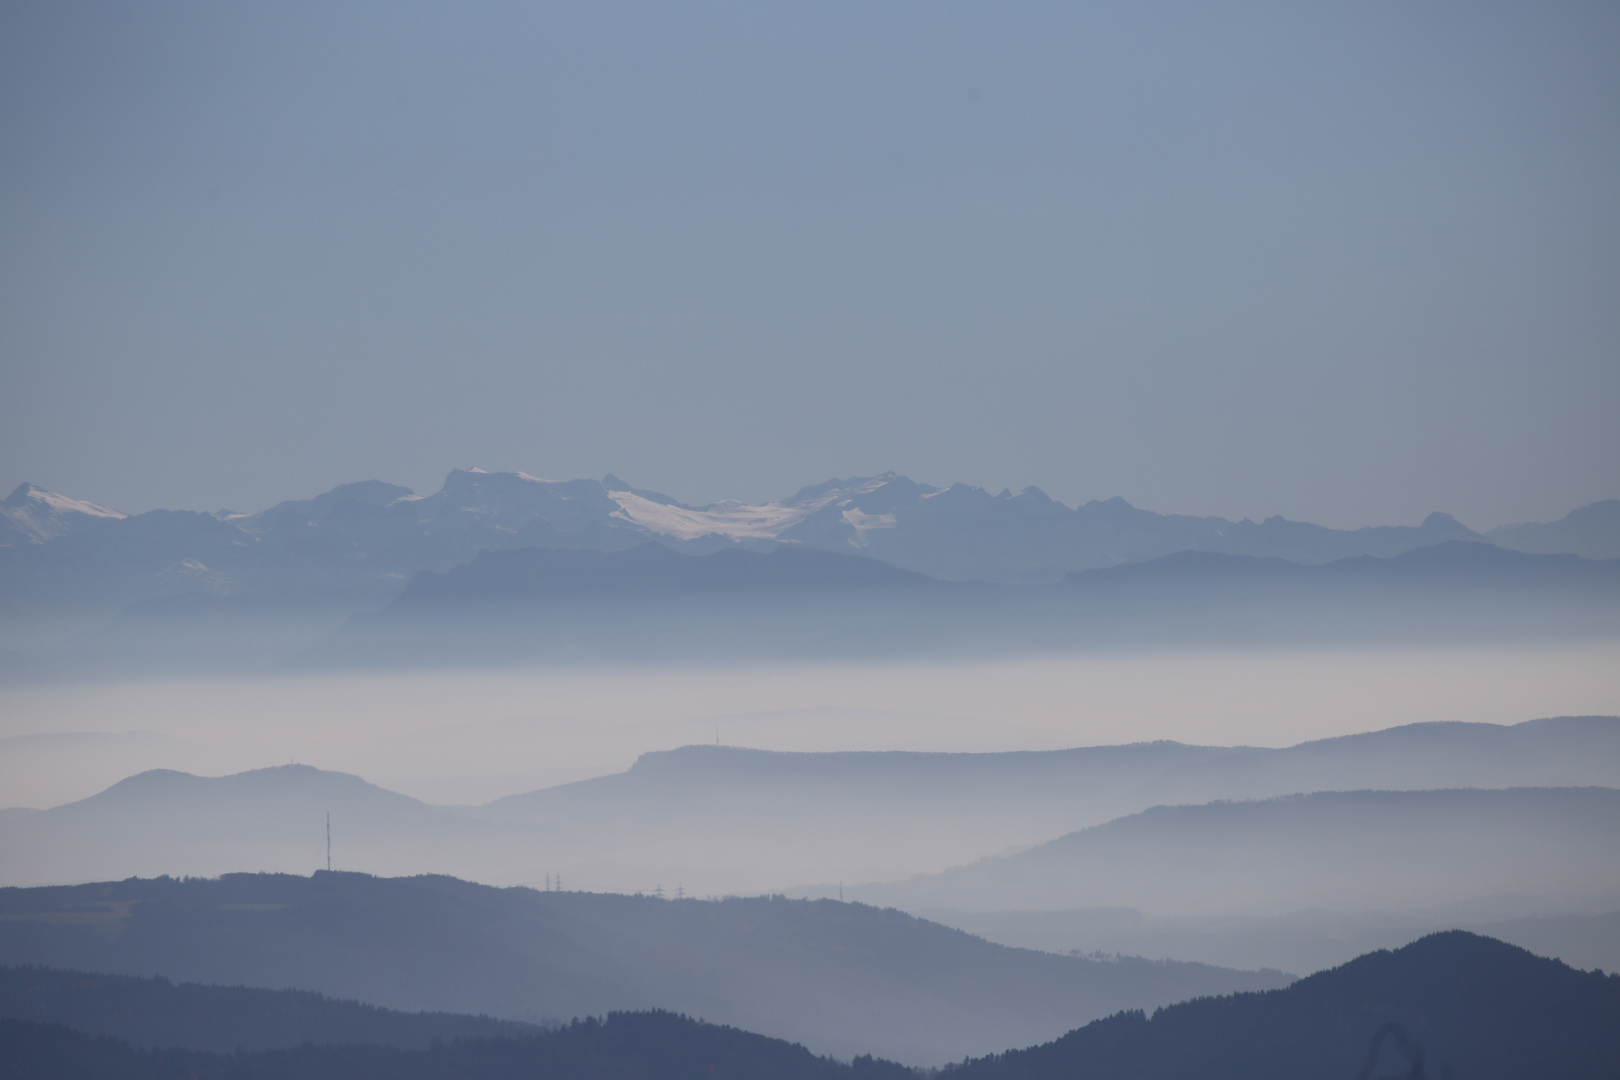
841, 978
371, 573
1534, 836
374, 535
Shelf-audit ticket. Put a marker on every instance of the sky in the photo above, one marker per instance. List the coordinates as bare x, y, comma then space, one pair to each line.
1349, 263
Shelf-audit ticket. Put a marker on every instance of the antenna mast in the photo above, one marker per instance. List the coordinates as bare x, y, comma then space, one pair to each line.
329, 841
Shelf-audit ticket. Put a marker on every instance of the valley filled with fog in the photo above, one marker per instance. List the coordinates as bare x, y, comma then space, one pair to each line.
470, 736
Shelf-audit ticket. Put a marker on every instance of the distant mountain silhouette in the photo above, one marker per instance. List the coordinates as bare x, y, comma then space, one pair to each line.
845, 811
271, 818
1592, 531
1466, 565
1343, 850
725, 819
841, 978
1449, 1005
366, 538
535, 574
236, 592
648, 603
964, 533
623, 1046
155, 1012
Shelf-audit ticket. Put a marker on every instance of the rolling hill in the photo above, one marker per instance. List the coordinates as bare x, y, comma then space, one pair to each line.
154, 1012
1345, 851
721, 819
1448, 1005
841, 978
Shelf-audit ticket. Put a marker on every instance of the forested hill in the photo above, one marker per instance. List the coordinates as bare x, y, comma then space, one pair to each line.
843, 979
154, 1012
625, 1046
1474, 1007
1449, 1005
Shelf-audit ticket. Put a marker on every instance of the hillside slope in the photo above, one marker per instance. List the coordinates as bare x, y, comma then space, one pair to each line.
727, 820
840, 978
623, 1046
1449, 1005
156, 1012
1346, 851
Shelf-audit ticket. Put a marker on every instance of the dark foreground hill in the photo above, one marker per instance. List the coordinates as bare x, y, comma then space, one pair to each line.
1449, 1005
841, 978
154, 1012
625, 1046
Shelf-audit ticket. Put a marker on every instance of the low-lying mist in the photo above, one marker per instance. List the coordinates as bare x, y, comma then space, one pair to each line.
470, 736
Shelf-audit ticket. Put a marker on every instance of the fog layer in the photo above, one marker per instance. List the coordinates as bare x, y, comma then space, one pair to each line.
472, 736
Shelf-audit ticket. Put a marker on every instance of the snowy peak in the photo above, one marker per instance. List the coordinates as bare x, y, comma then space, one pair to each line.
737, 521
868, 494
375, 535
35, 515
857, 504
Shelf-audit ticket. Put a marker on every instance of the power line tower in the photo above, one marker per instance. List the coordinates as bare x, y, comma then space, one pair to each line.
329, 841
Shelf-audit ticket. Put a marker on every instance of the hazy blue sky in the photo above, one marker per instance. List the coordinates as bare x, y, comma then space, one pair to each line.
1346, 262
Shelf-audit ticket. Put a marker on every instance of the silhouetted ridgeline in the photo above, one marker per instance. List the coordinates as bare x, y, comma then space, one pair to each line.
183, 591
1348, 850
1480, 1010
154, 1012
1450, 1005
367, 537
803, 817
624, 1046
727, 820
535, 575
652, 603
841, 978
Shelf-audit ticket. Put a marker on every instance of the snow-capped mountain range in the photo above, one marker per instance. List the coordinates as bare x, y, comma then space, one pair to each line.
368, 538
98, 582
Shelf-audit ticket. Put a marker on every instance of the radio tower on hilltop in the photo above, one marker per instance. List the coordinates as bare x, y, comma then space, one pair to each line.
329, 841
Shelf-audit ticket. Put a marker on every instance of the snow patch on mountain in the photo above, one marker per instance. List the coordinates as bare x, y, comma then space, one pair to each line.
40, 515
748, 521
860, 522
732, 519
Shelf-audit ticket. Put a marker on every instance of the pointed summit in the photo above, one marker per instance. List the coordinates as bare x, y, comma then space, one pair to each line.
39, 515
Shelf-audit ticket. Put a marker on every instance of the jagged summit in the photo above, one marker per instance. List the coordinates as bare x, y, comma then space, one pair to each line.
376, 535
1593, 531
31, 514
